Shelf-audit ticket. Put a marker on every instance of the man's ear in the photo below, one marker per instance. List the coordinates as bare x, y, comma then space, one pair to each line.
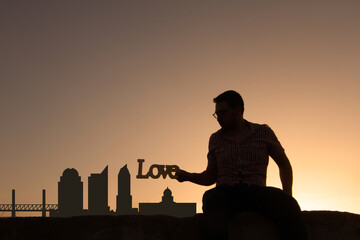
238, 109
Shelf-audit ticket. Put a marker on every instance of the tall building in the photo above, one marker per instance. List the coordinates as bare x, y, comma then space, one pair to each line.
98, 193
168, 207
70, 193
124, 198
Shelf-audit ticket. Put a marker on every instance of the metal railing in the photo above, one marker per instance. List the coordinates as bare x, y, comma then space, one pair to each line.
27, 207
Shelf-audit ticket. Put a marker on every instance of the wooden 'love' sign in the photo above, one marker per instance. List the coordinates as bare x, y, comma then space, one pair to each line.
160, 170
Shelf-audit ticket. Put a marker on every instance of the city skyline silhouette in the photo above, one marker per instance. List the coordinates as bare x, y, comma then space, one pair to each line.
70, 198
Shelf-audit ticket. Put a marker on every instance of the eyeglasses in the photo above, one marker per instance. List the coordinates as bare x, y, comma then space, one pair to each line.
220, 113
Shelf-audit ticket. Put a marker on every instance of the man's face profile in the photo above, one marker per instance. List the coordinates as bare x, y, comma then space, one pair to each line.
225, 115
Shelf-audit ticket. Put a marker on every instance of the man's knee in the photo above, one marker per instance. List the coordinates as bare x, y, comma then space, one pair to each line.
293, 204
210, 199
279, 199
214, 198
290, 202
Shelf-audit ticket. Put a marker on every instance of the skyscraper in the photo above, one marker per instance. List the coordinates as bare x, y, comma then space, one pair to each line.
124, 198
98, 193
70, 193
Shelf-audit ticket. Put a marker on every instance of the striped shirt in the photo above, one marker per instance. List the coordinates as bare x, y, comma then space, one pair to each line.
243, 161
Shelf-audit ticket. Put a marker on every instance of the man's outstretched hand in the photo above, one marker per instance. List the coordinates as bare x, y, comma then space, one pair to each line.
182, 175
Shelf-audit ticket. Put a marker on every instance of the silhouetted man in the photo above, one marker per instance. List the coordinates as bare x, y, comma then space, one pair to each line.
237, 162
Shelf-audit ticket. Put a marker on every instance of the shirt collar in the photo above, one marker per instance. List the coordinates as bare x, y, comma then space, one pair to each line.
253, 127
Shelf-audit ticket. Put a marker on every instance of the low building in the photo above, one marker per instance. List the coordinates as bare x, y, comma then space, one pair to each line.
168, 207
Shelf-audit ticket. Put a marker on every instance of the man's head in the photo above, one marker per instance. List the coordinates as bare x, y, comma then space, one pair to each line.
229, 108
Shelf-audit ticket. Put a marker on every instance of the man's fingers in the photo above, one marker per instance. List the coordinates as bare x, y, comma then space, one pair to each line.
179, 175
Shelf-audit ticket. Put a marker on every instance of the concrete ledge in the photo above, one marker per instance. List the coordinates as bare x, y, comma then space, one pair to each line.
249, 225
320, 225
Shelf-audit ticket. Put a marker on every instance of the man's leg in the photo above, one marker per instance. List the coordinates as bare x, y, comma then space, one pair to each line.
282, 208
217, 207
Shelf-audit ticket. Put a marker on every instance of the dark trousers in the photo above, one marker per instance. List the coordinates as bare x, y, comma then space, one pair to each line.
222, 202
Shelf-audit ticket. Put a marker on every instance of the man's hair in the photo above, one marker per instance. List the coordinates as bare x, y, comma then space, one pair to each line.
233, 99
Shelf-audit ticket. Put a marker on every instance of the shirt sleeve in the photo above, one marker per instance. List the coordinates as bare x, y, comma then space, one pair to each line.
274, 146
211, 167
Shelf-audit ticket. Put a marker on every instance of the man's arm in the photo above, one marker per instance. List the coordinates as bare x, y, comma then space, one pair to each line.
206, 178
277, 152
286, 174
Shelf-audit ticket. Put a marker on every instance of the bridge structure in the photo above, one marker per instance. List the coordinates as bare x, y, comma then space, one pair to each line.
13, 208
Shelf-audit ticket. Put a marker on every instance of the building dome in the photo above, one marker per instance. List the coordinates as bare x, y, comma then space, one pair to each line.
167, 192
70, 193
70, 173
167, 198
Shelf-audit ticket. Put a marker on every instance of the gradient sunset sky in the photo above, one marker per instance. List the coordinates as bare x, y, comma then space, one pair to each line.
85, 84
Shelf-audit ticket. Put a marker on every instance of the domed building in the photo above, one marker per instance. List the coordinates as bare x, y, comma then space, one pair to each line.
70, 193
168, 207
167, 197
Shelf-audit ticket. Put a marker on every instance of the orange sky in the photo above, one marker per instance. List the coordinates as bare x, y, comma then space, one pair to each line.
96, 83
